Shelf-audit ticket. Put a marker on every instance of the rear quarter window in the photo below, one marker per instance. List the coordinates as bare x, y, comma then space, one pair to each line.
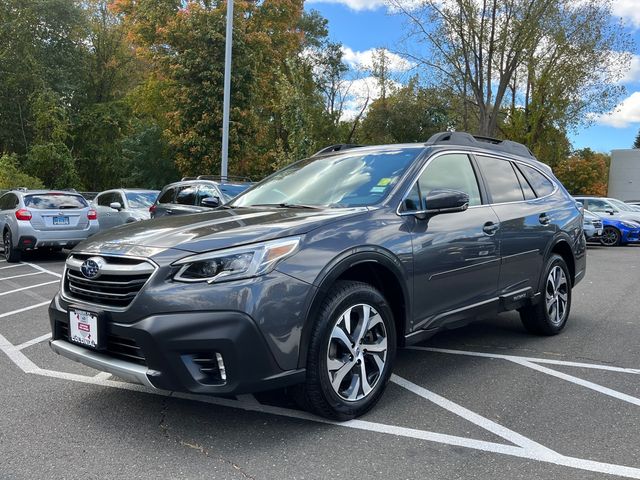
167, 196
540, 184
54, 201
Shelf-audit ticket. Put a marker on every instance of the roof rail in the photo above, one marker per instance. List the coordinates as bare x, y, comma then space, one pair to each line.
462, 138
221, 178
336, 148
184, 179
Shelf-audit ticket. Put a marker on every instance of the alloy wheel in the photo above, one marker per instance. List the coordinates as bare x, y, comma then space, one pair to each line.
557, 295
6, 244
357, 352
609, 237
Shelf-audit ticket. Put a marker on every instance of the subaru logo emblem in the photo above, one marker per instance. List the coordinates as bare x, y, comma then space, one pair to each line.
91, 267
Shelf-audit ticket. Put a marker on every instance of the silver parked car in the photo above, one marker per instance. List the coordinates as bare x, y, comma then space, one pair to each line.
41, 218
592, 226
120, 206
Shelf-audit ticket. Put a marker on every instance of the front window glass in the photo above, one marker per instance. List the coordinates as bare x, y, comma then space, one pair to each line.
141, 199
451, 172
230, 190
621, 205
54, 201
599, 206
351, 179
186, 195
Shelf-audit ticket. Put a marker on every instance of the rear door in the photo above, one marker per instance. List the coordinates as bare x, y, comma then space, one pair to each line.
526, 221
164, 203
57, 211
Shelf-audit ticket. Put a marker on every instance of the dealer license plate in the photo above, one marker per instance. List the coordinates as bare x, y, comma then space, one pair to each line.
83, 328
61, 220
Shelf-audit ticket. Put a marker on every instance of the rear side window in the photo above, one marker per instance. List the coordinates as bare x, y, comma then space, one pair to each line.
167, 196
186, 195
501, 180
540, 184
54, 201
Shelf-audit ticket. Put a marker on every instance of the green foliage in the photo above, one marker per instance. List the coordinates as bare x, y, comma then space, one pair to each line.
636, 142
585, 172
12, 177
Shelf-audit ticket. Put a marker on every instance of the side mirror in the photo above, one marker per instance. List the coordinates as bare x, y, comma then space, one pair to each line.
445, 201
610, 212
115, 206
210, 202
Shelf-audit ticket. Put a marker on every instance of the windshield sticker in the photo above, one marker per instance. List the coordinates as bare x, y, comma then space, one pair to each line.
384, 182
377, 189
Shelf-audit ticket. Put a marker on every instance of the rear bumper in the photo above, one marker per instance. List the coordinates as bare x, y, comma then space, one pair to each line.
170, 346
30, 238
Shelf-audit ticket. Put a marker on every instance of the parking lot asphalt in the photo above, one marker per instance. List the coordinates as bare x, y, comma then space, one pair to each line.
485, 401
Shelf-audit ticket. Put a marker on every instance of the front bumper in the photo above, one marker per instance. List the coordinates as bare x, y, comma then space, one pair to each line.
167, 352
630, 236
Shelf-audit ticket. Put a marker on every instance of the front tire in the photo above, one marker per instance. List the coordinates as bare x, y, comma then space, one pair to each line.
549, 316
351, 352
11, 254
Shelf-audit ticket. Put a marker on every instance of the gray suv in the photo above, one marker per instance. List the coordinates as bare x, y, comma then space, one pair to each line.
31, 219
315, 276
120, 206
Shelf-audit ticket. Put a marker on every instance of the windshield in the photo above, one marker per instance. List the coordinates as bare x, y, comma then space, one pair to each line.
230, 190
350, 179
141, 199
621, 205
54, 201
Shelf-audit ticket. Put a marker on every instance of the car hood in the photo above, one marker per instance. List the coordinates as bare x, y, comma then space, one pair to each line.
632, 216
212, 230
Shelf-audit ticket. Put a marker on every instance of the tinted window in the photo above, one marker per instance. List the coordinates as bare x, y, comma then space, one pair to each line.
529, 194
8, 202
453, 172
56, 201
186, 195
141, 199
349, 179
105, 199
501, 180
540, 184
167, 196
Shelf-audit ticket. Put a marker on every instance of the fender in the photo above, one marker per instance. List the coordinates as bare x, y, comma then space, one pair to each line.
560, 237
336, 267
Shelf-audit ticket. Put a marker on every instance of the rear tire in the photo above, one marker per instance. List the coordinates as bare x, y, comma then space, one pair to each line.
11, 254
549, 316
351, 352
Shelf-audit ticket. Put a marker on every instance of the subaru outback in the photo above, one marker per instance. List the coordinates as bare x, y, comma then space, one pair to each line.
314, 277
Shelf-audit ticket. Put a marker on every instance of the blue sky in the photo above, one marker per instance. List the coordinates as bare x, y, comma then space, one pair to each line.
362, 25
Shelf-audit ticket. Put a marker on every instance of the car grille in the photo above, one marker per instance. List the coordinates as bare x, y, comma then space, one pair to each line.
117, 346
119, 281
597, 223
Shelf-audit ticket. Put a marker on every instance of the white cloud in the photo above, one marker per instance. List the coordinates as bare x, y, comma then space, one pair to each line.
628, 10
363, 60
625, 114
358, 93
357, 5
633, 75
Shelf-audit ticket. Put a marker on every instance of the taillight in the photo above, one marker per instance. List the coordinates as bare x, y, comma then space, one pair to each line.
92, 214
152, 208
23, 214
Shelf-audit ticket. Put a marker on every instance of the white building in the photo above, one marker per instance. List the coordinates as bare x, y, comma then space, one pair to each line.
624, 176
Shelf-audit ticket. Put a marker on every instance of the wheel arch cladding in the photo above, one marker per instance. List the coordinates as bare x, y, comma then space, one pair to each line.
562, 248
374, 268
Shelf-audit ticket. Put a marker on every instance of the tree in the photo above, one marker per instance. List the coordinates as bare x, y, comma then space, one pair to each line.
551, 54
12, 177
636, 143
585, 172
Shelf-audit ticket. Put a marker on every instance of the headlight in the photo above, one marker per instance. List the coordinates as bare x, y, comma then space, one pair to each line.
630, 225
235, 263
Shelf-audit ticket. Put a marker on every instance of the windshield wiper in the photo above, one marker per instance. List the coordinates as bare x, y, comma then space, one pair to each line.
287, 205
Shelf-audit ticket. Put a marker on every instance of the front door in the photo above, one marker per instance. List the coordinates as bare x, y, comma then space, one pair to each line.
456, 255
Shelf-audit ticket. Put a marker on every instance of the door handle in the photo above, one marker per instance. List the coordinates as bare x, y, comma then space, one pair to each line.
169, 212
544, 219
490, 228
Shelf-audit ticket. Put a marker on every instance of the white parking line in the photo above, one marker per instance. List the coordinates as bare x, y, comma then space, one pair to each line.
43, 270
12, 266
31, 307
23, 275
29, 287
472, 417
529, 359
39, 339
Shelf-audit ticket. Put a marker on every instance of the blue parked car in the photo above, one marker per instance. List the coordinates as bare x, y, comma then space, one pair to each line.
618, 232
